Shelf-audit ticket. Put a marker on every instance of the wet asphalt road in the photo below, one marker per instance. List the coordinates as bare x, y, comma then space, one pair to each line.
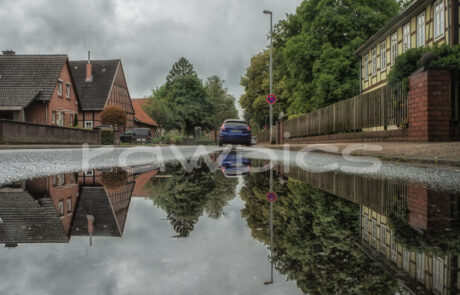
21, 164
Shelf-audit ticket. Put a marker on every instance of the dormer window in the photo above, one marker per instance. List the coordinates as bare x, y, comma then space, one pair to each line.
60, 85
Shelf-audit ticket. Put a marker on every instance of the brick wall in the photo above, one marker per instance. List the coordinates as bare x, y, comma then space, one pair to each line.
22, 133
429, 106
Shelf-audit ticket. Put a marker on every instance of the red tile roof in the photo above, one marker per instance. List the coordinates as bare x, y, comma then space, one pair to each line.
140, 114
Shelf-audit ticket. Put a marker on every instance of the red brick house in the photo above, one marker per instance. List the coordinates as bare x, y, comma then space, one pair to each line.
37, 89
141, 118
101, 83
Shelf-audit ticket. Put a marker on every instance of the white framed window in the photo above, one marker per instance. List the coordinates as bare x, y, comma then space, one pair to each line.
406, 259
438, 275
374, 61
69, 206
89, 124
71, 119
420, 265
60, 119
383, 56
394, 249
53, 117
61, 208
60, 179
67, 90
366, 67
383, 238
374, 233
366, 228
394, 48
438, 19
60, 85
406, 37
421, 30
89, 173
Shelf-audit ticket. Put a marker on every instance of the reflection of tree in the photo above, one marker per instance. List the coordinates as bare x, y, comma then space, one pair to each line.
314, 238
114, 178
185, 196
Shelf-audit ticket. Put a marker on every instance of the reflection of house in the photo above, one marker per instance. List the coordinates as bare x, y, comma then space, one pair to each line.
141, 181
101, 83
37, 89
421, 273
38, 210
141, 118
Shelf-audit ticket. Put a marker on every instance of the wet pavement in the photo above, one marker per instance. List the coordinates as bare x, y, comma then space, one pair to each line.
157, 228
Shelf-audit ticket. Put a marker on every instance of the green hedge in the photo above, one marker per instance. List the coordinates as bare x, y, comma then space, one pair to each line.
107, 137
448, 57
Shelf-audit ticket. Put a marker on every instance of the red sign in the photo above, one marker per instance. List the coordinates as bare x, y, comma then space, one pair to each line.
271, 99
271, 196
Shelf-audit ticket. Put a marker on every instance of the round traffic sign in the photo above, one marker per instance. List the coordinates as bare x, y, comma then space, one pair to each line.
271, 196
271, 99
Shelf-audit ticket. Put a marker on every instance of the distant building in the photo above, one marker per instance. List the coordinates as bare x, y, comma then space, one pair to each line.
141, 118
423, 23
37, 89
101, 83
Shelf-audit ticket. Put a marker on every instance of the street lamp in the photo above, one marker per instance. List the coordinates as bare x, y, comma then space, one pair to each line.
271, 68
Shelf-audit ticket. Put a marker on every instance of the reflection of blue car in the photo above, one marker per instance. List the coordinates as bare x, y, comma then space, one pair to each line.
233, 165
235, 132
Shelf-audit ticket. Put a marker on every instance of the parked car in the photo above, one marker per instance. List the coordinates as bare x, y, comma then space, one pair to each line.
137, 135
235, 132
254, 140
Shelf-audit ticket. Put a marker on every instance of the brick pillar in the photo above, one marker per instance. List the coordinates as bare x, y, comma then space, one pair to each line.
417, 203
429, 106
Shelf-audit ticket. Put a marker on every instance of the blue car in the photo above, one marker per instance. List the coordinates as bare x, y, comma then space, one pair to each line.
235, 132
235, 165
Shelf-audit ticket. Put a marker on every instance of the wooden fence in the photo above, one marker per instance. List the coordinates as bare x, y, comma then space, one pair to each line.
376, 110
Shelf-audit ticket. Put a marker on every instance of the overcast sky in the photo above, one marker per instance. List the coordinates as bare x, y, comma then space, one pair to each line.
218, 37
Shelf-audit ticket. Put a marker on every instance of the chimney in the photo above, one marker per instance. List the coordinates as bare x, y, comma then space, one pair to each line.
89, 69
8, 52
90, 219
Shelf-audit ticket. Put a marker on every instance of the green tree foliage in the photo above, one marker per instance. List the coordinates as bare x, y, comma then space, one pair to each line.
183, 102
186, 196
314, 62
314, 238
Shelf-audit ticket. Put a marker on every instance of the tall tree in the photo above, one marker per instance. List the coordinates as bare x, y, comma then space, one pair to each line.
180, 68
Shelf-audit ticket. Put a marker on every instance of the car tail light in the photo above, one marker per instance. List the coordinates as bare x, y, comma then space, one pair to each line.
222, 127
248, 128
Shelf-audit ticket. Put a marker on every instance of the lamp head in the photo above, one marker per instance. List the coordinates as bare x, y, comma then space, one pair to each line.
267, 12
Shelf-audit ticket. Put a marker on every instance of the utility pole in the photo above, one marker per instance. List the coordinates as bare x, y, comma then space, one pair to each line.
271, 70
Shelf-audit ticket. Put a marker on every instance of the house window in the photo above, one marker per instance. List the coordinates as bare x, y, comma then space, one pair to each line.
60, 119
69, 206
89, 173
394, 249
406, 37
406, 259
439, 19
61, 208
60, 88
71, 119
383, 56
421, 30
60, 179
394, 48
366, 228
89, 124
374, 61
383, 238
420, 264
67, 90
438, 275
374, 233
366, 67
53, 117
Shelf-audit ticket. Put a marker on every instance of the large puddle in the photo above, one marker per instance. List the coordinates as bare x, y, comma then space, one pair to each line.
140, 230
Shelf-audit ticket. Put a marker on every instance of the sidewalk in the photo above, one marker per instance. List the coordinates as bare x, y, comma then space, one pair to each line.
442, 153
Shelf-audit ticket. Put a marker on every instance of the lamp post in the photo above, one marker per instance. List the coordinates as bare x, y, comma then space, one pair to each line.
271, 68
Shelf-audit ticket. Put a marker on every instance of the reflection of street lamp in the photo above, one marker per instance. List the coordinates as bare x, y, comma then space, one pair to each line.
271, 229
271, 68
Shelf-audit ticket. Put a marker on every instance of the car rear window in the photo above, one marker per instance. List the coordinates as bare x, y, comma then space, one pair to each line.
235, 124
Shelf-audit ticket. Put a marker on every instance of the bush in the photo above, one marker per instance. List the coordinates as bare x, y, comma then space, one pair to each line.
166, 139
75, 121
107, 137
113, 116
448, 57
114, 179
